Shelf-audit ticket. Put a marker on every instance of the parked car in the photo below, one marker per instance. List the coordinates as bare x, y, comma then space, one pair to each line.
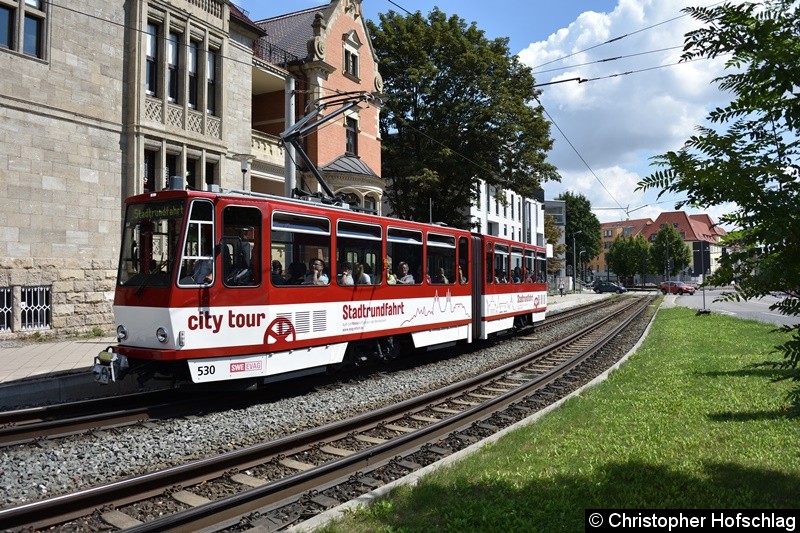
607, 286
676, 287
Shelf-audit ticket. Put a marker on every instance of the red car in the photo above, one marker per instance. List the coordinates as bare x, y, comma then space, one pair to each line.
676, 287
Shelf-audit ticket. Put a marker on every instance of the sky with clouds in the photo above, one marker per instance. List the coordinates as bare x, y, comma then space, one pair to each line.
636, 102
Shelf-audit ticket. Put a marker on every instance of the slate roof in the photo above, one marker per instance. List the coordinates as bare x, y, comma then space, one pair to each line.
348, 164
292, 31
240, 15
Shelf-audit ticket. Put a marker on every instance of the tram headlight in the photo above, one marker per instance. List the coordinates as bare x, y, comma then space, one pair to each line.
122, 333
161, 335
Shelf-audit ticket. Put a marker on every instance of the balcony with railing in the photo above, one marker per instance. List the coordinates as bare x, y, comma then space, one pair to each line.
267, 148
176, 117
266, 51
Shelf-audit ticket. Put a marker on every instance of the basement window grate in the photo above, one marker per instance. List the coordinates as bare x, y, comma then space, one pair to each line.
35, 307
6, 309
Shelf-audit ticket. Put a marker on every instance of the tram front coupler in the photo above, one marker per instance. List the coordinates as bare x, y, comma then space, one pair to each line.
109, 367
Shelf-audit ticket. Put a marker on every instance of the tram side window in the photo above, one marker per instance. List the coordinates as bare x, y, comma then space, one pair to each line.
501, 263
516, 275
404, 246
441, 258
462, 276
197, 263
303, 241
490, 278
541, 266
241, 246
358, 246
530, 267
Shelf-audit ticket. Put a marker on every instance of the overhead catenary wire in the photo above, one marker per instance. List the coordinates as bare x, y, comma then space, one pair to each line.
608, 59
615, 39
619, 38
249, 63
628, 209
395, 4
578, 154
637, 71
596, 78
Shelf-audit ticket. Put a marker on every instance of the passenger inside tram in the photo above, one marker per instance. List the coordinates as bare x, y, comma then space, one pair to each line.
403, 276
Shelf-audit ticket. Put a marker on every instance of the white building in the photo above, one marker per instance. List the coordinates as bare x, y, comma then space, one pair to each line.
509, 215
558, 210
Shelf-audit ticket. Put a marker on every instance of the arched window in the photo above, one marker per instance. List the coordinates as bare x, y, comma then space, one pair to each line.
370, 202
351, 198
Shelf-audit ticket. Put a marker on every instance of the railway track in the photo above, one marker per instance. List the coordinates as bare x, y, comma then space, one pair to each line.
281, 482
62, 420
52, 422
26, 425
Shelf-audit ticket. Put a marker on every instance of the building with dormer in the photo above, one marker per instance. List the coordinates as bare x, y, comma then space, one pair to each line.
329, 54
699, 232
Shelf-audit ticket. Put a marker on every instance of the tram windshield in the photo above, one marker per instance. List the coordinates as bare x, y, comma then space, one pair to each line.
150, 243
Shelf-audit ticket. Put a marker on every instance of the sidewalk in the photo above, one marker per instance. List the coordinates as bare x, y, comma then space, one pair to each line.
19, 359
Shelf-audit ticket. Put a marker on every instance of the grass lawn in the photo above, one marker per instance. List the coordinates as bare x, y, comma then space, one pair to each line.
688, 422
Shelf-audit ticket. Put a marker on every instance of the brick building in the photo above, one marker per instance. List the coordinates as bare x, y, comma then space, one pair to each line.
329, 54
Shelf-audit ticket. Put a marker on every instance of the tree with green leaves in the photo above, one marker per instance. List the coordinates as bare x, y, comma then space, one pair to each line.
750, 156
552, 235
670, 253
583, 226
629, 256
459, 109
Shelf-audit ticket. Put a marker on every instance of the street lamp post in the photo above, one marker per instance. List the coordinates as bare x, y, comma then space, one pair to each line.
704, 310
244, 159
580, 262
573, 260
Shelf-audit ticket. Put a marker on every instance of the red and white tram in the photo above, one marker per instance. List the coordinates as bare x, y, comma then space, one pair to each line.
217, 286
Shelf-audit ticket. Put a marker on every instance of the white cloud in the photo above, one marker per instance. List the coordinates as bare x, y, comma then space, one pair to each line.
618, 123
611, 199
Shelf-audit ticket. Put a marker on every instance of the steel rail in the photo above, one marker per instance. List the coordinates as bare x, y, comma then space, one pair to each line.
227, 511
55, 421
61, 508
61, 420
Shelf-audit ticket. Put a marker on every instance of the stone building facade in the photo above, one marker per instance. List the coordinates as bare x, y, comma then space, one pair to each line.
104, 99
62, 112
